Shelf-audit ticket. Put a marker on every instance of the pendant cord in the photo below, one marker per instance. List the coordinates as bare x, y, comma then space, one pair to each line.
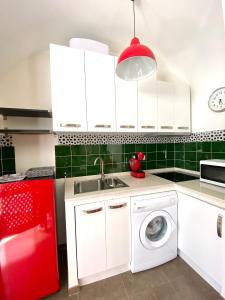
134, 15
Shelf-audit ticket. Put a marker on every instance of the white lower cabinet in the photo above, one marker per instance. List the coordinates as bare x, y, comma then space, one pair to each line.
117, 232
103, 236
90, 233
201, 238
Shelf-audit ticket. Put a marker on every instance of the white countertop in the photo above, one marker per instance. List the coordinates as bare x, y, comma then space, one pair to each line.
150, 184
209, 193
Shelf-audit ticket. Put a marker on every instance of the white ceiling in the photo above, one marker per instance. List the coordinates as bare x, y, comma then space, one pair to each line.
168, 27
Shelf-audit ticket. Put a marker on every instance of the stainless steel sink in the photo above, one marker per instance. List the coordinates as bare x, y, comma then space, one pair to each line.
98, 185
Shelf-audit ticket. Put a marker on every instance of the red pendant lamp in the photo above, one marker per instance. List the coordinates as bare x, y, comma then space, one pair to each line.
137, 61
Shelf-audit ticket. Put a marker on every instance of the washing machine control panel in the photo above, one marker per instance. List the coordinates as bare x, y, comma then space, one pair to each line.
153, 201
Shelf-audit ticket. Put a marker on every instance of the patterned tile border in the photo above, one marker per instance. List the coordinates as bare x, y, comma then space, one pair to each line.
127, 138
5, 141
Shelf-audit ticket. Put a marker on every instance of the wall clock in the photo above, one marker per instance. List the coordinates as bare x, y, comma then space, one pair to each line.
217, 100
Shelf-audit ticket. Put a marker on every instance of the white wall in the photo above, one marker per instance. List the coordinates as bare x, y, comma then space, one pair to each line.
34, 150
202, 64
27, 84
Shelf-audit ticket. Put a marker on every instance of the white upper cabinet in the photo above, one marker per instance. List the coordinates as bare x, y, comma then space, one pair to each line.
100, 92
88, 96
126, 104
182, 107
147, 106
165, 94
68, 89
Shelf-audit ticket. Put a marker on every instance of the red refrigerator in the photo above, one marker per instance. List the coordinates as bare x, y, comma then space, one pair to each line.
28, 254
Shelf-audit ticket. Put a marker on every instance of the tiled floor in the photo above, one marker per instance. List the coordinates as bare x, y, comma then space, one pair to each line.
172, 281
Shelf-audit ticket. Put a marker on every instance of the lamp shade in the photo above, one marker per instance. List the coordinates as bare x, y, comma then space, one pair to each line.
136, 62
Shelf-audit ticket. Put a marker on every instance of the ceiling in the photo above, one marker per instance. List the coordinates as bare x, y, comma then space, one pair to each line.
168, 27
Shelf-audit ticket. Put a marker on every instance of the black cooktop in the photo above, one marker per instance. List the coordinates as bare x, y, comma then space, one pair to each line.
176, 177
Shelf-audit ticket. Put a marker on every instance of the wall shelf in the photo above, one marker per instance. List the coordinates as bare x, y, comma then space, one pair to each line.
22, 112
25, 131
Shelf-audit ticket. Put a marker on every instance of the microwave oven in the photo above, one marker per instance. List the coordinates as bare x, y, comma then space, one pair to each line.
213, 171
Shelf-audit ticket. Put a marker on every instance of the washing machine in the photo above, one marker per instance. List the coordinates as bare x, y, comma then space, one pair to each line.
154, 230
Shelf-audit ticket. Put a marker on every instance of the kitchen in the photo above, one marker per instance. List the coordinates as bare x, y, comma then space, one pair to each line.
188, 42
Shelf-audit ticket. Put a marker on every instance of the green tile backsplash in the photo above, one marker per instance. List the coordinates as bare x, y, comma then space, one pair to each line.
188, 155
7, 160
78, 160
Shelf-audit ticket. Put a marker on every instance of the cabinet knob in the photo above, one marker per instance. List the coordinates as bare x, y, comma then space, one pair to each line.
92, 211
166, 127
102, 126
148, 126
183, 127
127, 126
219, 225
117, 206
70, 125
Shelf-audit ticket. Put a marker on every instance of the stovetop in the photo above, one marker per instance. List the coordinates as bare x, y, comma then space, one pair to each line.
176, 176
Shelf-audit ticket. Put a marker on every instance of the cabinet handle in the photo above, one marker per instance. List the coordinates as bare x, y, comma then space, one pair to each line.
102, 126
70, 125
117, 206
147, 126
127, 126
219, 225
166, 127
92, 211
183, 127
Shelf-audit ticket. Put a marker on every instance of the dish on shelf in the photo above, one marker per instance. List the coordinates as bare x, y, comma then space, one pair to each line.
12, 177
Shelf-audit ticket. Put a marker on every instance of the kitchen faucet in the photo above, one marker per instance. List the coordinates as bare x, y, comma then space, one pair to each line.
101, 166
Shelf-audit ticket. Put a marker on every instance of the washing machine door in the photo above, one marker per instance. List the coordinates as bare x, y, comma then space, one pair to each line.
156, 229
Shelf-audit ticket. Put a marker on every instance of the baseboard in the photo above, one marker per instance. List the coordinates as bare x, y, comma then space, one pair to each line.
198, 270
73, 290
104, 275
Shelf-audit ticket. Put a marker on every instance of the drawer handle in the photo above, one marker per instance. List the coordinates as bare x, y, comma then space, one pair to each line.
219, 225
183, 127
92, 211
166, 127
102, 126
127, 126
147, 126
117, 206
70, 125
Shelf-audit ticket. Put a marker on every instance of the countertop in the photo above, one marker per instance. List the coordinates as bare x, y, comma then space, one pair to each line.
150, 184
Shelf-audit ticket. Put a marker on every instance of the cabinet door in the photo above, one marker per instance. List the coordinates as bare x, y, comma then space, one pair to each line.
126, 104
198, 237
90, 234
68, 89
165, 95
100, 92
182, 107
147, 106
117, 232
